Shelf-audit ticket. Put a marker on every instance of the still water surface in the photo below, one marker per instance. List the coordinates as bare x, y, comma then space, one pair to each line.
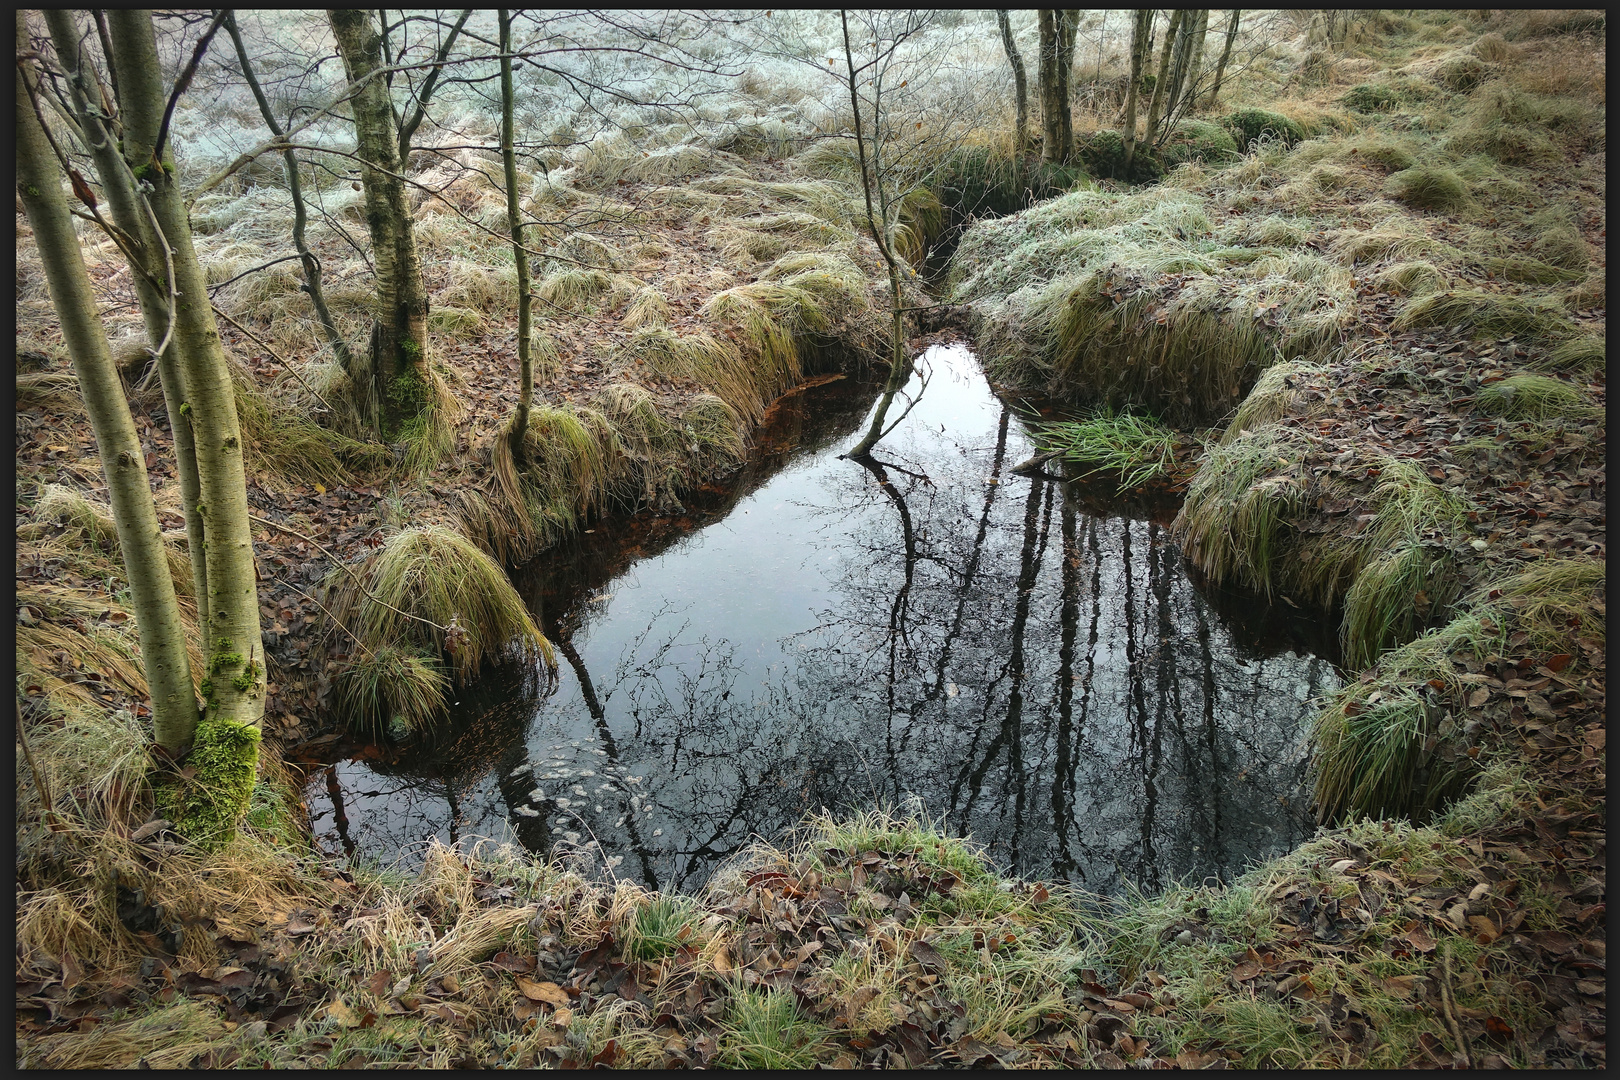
1029, 662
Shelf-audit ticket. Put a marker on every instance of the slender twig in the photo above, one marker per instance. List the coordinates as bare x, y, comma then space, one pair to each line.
183, 83
39, 781
281, 359
361, 585
255, 270
328, 613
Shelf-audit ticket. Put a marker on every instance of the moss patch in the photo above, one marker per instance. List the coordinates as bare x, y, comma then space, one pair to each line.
207, 806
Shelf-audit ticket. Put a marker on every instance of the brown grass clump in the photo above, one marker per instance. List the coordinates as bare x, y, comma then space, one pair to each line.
432, 588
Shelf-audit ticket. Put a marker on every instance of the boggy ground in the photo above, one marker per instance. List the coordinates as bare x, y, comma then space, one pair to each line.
1407, 416
1427, 465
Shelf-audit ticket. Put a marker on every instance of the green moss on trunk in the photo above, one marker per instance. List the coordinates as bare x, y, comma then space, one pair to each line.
207, 806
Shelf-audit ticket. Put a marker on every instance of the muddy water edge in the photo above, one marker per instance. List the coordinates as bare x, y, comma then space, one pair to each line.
1029, 659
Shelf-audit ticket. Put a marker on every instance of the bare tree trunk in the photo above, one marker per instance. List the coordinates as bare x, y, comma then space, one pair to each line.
234, 688
1047, 76
150, 267
1139, 46
1195, 61
1226, 55
312, 265
1178, 65
880, 235
140, 538
1020, 80
514, 222
1068, 22
1157, 103
398, 378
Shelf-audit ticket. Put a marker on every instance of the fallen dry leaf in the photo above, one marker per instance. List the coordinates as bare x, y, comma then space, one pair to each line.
548, 992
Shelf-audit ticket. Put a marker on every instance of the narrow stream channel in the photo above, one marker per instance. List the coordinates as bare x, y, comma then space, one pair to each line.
1027, 660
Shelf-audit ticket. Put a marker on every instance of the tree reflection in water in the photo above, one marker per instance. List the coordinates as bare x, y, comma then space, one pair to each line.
1036, 669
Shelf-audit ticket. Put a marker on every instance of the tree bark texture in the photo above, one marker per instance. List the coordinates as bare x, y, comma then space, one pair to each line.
1178, 66
1226, 55
1047, 77
520, 254
230, 605
1020, 80
1156, 104
399, 385
1195, 60
123, 462
1068, 23
295, 187
150, 273
1140, 30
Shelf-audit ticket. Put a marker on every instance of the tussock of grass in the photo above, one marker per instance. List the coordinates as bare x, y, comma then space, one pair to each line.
394, 690
1461, 72
70, 511
1375, 740
657, 929
1562, 246
570, 288
1372, 753
1555, 600
649, 307
1121, 298
457, 322
1428, 188
1530, 271
1593, 292
1529, 397
1579, 355
1398, 574
1199, 140
1401, 241
715, 431
1387, 155
54, 390
763, 1029
438, 575
1416, 278
1139, 448
1249, 126
1487, 314
1276, 394
289, 447
1236, 519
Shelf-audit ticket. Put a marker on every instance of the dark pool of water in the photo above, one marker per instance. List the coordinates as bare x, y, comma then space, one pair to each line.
1027, 660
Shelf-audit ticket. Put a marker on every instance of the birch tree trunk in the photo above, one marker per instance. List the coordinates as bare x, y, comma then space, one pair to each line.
1047, 77
514, 222
1068, 23
1157, 103
1178, 64
1020, 80
157, 612
1195, 61
1226, 55
1139, 46
234, 686
115, 166
398, 379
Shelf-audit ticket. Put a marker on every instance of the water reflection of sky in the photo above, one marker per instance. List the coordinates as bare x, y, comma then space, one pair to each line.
825, 634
